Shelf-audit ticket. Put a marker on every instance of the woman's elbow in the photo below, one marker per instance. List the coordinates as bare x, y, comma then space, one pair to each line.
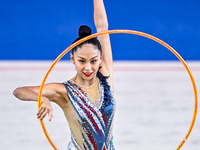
101, 25
17, 92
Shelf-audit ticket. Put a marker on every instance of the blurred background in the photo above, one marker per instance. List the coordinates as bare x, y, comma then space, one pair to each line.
42, 29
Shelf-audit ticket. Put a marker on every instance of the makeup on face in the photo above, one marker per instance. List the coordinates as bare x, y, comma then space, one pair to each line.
87, 74
87, 60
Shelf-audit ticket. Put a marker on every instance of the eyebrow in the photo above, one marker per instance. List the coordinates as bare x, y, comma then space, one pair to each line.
84, 58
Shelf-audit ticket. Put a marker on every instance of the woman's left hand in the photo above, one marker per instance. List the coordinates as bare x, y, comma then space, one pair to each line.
45, 109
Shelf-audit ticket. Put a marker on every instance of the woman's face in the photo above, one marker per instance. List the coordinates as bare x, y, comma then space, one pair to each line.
87, 60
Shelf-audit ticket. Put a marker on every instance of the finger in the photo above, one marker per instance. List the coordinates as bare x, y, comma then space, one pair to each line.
44, 114
50, 115
40, 112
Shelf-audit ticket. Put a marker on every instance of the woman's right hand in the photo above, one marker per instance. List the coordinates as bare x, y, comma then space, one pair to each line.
45, 109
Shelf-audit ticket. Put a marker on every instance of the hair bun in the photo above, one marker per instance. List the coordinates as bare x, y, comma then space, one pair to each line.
84, 31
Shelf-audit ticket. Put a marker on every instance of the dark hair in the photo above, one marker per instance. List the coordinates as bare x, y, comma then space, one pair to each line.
83, 32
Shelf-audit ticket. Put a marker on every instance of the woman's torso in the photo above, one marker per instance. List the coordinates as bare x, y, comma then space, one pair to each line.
90, 114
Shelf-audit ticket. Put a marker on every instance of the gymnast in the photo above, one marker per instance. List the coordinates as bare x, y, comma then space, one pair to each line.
87, 99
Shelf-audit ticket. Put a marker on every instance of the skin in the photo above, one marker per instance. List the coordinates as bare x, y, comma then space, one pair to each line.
86, 59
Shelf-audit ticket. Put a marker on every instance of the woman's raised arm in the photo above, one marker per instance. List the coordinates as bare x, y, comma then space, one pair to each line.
101, 23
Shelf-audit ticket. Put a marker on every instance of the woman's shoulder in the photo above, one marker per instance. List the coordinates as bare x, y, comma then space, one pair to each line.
56, 86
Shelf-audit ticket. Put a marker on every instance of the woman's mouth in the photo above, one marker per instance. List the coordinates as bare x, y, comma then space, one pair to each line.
87, 74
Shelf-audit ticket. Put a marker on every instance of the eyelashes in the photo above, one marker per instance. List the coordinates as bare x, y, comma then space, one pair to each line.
83, 61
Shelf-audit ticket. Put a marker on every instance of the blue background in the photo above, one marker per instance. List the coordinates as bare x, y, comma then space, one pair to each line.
42, 29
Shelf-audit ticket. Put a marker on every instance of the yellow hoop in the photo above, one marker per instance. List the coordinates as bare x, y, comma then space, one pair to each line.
129, 32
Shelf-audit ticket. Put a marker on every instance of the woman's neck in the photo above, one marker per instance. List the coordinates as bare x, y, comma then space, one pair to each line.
82, 82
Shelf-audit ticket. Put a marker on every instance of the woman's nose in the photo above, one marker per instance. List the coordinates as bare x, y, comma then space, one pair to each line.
88, 66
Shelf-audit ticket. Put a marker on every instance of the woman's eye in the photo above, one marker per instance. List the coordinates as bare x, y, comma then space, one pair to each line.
82, 61
93, 61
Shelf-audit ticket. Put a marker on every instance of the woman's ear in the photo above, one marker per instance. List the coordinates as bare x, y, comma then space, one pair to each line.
72, 58
101, 57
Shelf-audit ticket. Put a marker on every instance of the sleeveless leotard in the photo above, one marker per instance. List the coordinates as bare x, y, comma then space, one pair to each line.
96, 122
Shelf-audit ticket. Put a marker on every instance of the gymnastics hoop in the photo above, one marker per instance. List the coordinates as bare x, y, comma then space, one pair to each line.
128, 32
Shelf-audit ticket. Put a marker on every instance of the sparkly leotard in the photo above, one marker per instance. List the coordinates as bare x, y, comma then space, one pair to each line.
96, 122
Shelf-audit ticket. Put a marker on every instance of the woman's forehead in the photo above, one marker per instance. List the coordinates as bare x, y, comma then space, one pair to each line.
87, 46
88, 49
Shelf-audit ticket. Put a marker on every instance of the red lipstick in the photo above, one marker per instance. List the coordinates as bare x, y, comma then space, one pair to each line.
87, 74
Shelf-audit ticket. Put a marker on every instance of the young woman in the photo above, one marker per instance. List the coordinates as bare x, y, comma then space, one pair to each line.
86, 99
